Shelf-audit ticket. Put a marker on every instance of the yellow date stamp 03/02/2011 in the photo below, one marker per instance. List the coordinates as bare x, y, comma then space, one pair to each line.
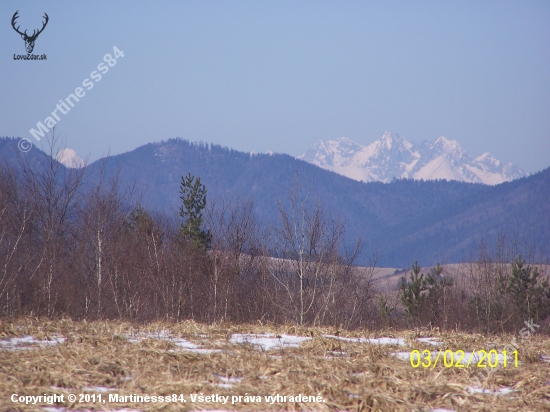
462, 359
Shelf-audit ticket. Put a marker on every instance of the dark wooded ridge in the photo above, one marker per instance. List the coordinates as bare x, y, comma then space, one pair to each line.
72, 245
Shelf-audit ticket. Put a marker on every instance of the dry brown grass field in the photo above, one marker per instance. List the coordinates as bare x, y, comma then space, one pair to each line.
115, 358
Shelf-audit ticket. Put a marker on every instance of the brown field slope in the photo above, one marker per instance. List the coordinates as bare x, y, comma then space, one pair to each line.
345, 369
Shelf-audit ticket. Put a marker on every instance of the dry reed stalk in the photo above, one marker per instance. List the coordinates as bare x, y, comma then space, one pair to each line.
348, 375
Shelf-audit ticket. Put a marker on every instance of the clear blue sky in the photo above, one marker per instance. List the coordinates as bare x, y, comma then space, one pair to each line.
280, 75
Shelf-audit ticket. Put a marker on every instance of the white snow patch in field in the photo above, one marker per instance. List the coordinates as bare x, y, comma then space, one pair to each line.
227, 381
359, 374
374, 341
28, 342
431, 341
402, 355
184, 343
101, 389
268, 341
167, 336
357, 340
442, 410
138, 337
500, 391
387, 341
384, 341
190, 346
57, 388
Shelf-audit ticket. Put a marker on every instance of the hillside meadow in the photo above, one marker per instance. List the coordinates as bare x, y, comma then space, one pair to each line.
109, 365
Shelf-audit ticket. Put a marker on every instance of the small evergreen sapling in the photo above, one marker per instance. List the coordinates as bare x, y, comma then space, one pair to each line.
412, 292
530, 296
193, 197
423, 296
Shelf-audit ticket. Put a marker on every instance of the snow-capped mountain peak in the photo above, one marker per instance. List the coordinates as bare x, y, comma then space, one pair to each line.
386, 140
69, 158
392, 156
487, 159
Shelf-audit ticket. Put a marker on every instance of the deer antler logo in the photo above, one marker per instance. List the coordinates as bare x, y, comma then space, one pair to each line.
29, 40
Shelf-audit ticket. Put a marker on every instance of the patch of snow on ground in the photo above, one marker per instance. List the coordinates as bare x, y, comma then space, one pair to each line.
431, 341
97, 389
227, 381
28, 342
268, 341
387, 341
500, 391
402, 355
190, 346
359, 374
138, 337
167, 336
357, 340
374, 341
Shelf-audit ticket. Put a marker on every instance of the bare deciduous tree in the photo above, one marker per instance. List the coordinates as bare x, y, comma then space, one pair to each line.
310, 270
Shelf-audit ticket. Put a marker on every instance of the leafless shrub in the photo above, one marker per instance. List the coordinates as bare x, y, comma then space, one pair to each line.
15, 217
313, 282
53, 192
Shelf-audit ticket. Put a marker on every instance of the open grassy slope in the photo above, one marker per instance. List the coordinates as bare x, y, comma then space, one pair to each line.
228, 360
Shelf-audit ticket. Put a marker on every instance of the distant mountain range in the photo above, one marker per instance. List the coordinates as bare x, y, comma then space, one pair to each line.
405, 220
392, 156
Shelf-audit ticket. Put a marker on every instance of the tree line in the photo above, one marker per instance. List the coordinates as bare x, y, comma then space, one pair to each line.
92, 251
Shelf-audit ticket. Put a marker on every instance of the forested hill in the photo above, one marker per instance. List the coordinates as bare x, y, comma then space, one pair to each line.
405, 220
